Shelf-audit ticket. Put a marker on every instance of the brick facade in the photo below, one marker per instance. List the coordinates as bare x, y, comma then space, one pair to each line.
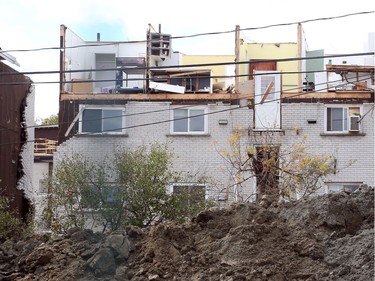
199, 154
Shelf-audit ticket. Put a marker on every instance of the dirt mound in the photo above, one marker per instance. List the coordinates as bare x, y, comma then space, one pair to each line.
329, 237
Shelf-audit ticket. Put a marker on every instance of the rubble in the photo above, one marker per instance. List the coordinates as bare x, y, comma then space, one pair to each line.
327, 237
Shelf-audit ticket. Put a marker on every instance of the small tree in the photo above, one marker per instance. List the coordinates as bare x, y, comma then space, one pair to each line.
144, 175
67, 189
131, 191
279, 171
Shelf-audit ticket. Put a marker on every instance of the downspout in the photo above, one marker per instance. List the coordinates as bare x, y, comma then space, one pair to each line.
237, 55
62, 58
148, 58
299, 46
62, 79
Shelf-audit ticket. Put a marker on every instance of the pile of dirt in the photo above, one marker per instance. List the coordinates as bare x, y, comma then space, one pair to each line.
328, 237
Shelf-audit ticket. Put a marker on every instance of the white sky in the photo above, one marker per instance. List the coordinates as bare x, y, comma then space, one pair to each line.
26, 24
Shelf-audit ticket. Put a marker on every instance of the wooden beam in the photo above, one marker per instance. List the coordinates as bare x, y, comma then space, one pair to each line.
215, 97
187, 73
266, 93
329, 95
158, 97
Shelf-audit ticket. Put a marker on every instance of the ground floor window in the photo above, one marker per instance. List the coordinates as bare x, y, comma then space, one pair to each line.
342, 186
195, 193
99, 195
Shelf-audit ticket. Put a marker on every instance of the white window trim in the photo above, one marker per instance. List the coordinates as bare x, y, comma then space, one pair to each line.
105, 107
347, 106
204, 132
170, 187
343, 184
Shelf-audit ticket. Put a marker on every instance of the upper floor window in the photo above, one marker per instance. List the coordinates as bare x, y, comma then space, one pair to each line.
108, 120
190, 120
343, 118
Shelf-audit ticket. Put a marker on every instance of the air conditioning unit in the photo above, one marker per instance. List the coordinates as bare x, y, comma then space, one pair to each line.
354, 123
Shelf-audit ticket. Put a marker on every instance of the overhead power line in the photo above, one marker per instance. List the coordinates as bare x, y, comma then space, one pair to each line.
172, 67
166, 121
183, 107
192, 35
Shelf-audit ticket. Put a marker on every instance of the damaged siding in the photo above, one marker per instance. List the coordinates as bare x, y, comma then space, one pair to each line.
16, 148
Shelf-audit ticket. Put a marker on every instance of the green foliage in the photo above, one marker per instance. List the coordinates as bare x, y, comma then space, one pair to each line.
279, 170
10, 225
70, 181
132, 190
302, 171
144, 176
51, 120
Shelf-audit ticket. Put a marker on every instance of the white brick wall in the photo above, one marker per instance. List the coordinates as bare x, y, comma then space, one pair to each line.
346, 149
27, 154
199, 154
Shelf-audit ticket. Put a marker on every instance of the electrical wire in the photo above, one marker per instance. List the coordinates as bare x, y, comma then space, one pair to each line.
180, 77
169, 120
154, 68
363, 78
192, 35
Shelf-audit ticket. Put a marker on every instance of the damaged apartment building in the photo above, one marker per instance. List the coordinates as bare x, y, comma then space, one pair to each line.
126, 94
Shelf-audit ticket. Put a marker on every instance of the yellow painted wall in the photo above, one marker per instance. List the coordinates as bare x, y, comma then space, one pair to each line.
219, 70
266, 51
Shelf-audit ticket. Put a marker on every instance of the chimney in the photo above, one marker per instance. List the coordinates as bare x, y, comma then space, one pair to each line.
98, 36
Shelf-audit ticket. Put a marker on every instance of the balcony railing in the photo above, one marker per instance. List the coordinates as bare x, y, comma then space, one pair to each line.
44, 147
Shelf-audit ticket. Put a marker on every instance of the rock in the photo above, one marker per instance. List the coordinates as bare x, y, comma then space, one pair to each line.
121, 273
328, 237
103, 262
119, 244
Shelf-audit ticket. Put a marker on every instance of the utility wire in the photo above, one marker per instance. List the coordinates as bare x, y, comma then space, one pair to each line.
155, 68
187, 106
179, 77
363, 77
192, 35
169, 120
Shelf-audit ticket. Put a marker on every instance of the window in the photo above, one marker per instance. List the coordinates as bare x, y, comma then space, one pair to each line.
102, 120
195, 193
337, 186
342, 118
192, 121
100, 194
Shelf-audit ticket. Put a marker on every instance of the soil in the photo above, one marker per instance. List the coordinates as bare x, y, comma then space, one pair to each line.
327, 237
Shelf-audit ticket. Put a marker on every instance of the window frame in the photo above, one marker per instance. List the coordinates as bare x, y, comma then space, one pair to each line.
346, 127
341, 186
109, 200
190, 185
189, 132
101, 107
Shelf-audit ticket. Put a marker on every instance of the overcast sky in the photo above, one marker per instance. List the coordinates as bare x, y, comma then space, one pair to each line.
26, 24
